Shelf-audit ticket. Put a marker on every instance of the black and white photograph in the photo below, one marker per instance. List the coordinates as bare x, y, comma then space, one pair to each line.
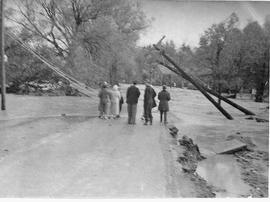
134, 99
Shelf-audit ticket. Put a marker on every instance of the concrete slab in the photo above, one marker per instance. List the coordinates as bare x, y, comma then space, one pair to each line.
228, 147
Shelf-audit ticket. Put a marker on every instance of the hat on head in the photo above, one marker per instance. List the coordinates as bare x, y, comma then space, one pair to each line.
105, 84
115, 87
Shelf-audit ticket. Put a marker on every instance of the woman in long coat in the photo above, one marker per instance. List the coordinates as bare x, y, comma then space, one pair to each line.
164, 97
115, 99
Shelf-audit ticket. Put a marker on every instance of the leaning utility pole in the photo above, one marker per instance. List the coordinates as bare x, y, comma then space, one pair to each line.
191, 80
212, 92
3, 72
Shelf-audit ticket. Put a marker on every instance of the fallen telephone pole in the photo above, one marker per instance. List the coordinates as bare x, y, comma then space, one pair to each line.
187, 77
242, 109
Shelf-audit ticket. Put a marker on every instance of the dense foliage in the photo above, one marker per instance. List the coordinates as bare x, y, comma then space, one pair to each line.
95, 40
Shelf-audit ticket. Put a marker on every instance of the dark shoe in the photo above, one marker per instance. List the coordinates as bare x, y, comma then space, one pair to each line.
145, 123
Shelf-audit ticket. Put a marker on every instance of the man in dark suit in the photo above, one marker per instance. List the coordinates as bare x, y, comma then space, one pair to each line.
133, 94
148, 103
164, 97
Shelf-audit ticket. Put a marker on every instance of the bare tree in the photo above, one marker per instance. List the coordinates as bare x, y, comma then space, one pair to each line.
97, 26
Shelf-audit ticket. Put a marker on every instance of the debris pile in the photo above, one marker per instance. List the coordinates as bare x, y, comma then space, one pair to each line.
190, 157
259, 120
251, 166
173, 131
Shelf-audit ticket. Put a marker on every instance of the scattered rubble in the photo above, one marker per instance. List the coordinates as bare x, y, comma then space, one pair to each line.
252, 169
261, 120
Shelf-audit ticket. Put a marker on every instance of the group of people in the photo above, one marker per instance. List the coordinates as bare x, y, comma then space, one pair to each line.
111, 101
133, 94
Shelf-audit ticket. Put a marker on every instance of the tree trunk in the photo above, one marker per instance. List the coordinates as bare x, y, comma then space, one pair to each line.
219, 92
259, 93
261, 78
113, 73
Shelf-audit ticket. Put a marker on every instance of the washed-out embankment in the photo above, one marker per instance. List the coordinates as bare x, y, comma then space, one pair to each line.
234, 171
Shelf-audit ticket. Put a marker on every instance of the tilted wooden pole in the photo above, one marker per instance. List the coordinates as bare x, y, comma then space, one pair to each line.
3, 72
242, 109
186, 76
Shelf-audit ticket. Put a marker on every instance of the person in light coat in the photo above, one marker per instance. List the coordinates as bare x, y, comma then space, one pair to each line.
115, 99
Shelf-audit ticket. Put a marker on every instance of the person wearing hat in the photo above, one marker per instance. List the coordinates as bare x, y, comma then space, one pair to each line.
164, 97
104, 101
148, 103
132, 96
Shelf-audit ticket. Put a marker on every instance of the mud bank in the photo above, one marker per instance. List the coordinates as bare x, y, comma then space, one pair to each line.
186, 157
241, 174
254, 165
253, 172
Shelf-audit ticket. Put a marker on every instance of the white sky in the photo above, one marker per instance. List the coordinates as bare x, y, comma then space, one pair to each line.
185, 21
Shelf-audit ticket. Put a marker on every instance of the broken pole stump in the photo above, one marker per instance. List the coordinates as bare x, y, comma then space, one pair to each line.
187, 77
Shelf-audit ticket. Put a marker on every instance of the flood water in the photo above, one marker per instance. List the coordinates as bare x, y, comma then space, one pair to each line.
223, 172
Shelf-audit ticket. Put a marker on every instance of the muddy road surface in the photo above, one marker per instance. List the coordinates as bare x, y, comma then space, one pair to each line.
57, 147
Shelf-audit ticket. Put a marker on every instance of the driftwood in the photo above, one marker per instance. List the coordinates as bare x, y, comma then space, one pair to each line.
191, 80
242, 109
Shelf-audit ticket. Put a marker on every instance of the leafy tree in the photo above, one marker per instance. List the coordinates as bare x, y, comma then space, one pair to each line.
98, 31
256, 56
147, 64
218, 53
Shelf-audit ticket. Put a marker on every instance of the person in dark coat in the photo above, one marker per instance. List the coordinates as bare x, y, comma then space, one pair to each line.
164, 97
104, 101
148, 103
133, 94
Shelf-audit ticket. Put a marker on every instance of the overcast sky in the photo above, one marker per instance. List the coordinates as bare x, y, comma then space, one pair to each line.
185, 21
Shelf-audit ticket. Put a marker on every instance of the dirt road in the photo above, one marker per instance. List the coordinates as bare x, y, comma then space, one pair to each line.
57, 147
79, 156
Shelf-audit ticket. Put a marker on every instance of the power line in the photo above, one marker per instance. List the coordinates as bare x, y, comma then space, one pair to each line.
74, 82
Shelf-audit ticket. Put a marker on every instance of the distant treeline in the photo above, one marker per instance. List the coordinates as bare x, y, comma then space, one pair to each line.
95, 41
